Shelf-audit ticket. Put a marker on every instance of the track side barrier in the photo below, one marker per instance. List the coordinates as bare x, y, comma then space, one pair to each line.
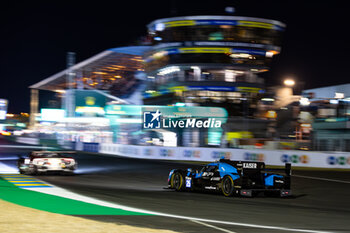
91, 147
28, 140
270, 157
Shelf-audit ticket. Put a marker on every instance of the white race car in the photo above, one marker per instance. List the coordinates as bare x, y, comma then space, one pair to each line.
47, 161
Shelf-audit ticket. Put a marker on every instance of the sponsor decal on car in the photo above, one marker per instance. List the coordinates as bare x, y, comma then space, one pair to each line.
250, 165
215, 178
208, 173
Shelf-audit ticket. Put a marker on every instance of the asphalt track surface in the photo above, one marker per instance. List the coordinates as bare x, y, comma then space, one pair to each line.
321, 200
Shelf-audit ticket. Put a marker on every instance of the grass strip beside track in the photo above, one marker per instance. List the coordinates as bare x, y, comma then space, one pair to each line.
54, 204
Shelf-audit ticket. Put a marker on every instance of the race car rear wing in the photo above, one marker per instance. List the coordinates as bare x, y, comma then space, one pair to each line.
253, 167
287, 169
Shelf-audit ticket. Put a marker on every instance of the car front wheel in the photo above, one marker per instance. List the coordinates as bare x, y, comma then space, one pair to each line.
178, 181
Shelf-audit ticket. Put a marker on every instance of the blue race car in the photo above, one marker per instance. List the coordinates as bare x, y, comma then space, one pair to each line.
243, 178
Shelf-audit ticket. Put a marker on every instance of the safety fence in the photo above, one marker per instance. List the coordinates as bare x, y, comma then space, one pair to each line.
270, 157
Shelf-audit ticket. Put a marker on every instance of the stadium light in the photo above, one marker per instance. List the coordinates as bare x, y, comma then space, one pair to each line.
289, 82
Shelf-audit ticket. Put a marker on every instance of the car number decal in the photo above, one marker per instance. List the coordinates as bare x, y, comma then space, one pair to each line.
188, 182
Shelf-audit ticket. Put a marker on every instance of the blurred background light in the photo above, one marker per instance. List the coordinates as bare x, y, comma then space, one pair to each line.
289, 82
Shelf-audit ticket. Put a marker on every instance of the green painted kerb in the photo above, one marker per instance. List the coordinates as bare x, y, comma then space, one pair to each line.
54, 204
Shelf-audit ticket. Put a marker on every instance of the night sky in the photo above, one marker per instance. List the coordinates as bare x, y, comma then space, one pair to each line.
35, 37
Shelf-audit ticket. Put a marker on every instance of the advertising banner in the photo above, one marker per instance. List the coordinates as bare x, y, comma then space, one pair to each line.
270, 157
89, 103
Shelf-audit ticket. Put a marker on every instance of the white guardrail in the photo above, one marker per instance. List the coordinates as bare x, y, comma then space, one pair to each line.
270, 157
28, 140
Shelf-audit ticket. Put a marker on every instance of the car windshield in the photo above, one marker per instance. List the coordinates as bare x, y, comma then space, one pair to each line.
211, 168
208, 168
48, 155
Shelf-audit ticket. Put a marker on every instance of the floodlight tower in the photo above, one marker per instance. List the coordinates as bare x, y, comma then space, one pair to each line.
69, 95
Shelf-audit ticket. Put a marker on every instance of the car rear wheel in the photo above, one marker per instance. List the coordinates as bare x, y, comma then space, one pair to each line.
228, 188
178, 181
33, 171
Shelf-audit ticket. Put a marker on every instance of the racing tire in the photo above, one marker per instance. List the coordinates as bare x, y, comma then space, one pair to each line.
228, 188
178, 181
171, 183
33, 171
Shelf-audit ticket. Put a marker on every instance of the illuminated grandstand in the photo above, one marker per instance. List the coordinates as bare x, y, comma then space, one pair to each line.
207, 61
210, 60
115, 73
107, 70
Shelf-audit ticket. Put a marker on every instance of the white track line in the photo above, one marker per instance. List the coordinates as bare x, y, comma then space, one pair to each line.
212, 226
71, 195
325, 179
7, 169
